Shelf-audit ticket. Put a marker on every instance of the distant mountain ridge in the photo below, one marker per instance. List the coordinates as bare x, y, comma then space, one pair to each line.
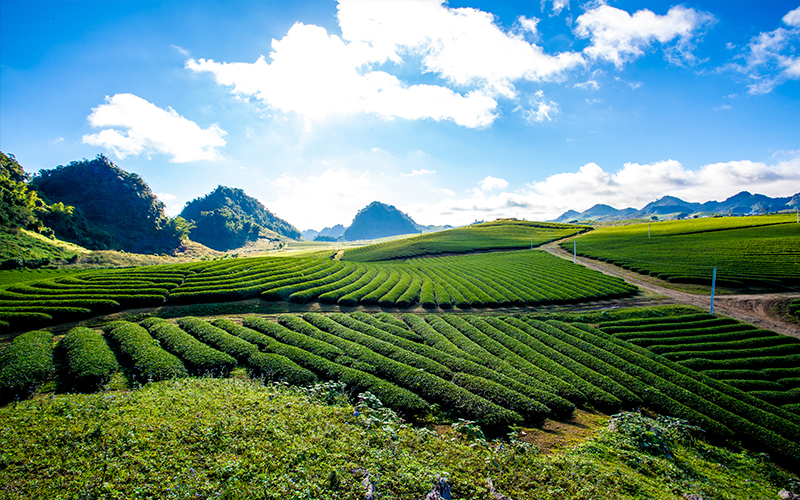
379, 220
742, 203
227, 218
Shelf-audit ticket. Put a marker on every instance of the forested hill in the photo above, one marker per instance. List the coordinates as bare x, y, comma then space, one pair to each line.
378, 220
117, 209
228, 218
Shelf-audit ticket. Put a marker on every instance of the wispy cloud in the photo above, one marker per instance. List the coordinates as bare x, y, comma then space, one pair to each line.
769, 60
541, 109
140, 127
181, 50
422, 171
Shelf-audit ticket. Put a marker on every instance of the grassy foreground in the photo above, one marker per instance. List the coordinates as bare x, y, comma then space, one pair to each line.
234, 438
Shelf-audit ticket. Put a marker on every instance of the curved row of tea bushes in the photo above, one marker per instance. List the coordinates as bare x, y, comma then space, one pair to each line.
87, 361
756, 422
355, 292
454, 363
411, 295
283, 289
267, 365
266, 335
390, 350
695, 329
199, 358
740, 363
706, 321
372, 297
348, 274
25, 364
140, 354
430, 387
532, 410
333, 296
397, 329
397, 290
755, 352
549, 360
584, 366
747, 343
655, 322
750, 332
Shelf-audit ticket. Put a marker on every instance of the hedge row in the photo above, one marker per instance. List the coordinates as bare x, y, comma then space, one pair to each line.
428, 386
454, 363
254, 330
401, 330
268, 365
199, 358
396, 291
741, 363
145, 360
705, 322
282, 289
87, 362
532, 410
375, 295
735, 409
25, 364
353, 293
773, 351
765, 374
335, 295
654, 320
746, 343
686, 332
549, 359
348, 274
745, 333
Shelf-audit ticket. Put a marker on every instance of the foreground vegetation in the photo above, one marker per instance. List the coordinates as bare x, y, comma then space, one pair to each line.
501, 234
489, 280
232, 438
752, 251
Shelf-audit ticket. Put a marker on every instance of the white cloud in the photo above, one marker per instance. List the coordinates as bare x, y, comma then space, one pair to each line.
619, 38
57, 140
541, 109
444, 191
792, 18
491, 183
181, 50
423, 171
587, 85
634, 185
166, 196
768, 59
316, 74
558, 6
144, 128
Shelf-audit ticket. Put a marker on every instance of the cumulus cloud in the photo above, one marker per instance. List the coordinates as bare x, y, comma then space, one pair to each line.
619, 38
140, 127
587, 85
768, 59
316, 74
491, 183
634, 185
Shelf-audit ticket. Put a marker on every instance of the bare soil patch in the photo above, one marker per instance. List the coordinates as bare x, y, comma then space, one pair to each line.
555, 436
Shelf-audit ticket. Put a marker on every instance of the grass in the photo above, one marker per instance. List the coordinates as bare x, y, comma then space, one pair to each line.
235, 438
26, 245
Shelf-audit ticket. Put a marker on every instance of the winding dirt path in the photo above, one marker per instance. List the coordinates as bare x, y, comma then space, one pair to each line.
756, 309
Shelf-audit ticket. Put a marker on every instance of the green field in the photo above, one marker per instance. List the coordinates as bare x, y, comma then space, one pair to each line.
500, 371
502, 279
497, 235
761, 251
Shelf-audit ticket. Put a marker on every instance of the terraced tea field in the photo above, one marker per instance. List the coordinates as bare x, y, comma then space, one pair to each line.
497, 235
747, 251
500, 279
760, 362
499, 371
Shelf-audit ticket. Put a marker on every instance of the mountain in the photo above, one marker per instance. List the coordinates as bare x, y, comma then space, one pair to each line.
227, 218
378, 220
326, 234
671, 207
100, 206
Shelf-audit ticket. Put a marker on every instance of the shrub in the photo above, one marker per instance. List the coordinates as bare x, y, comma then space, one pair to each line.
145, 360
87, 361
198, 357
25, 364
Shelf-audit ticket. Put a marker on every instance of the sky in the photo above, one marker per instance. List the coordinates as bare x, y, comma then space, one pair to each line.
451, 111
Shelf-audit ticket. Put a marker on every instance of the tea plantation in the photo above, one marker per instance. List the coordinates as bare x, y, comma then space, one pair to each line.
760, 251
502, 279
497, 235
500, 371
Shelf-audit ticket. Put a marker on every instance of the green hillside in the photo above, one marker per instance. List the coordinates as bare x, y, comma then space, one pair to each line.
227, 218
501, 234
753, 251
27, 245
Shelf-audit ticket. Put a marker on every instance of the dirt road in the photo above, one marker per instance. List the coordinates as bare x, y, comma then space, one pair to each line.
757, 309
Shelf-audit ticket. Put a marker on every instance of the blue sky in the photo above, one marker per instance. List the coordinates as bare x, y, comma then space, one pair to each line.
453, 112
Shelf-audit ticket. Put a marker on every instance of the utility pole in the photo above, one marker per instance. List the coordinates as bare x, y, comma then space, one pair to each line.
575, 251
713, 285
